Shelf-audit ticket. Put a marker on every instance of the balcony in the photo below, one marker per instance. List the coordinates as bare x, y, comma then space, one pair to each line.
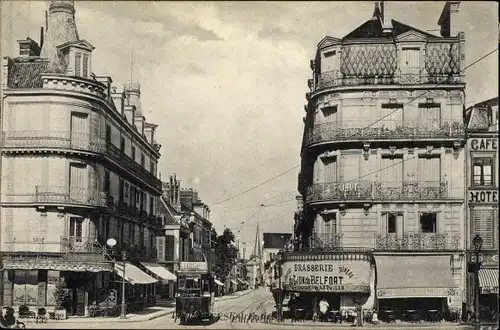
134, 251
418, 242
325, 242
339, 131
71, 247
332, 79
334, 191
417, 190
73, 196
82, 142
367, 191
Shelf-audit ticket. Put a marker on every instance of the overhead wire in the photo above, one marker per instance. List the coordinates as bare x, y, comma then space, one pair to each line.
378, 120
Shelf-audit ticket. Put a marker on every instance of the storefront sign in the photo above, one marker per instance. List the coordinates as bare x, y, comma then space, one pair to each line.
483, 196
483, 144
416, 292
193, 266
489, 290
327, 276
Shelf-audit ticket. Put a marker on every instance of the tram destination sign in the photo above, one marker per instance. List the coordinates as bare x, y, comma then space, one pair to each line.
193, 266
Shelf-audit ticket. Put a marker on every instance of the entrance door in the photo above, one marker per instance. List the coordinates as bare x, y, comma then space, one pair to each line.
79, 131
78, 182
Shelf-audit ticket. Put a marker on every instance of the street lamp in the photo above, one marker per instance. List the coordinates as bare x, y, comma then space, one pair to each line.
111, 243
477, 241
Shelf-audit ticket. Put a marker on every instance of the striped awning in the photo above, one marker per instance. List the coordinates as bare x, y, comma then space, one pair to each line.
159, 271
61, 265
234, 282
133, 275
219, 283
488, 280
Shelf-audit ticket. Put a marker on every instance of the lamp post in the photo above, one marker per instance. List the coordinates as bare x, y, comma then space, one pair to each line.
124, 310
477, 241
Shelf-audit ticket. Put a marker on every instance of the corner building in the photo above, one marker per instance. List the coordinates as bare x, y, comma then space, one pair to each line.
78, 166
382, 174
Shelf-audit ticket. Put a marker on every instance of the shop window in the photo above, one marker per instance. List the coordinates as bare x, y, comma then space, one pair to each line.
428, 222
482, 171
25, 287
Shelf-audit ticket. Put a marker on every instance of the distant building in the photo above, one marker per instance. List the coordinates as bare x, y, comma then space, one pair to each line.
482, 200
273, 243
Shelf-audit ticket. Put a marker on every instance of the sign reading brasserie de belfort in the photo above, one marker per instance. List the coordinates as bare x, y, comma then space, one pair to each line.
327, 276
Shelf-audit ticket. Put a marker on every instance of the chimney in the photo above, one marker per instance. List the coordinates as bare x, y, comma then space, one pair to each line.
118, 99
139, 122
28, 47
133, 95
129, 111
107, 82
448, 21
60, 29
149, 131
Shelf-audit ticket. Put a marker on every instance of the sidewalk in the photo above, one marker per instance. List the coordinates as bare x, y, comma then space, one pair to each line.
163, 308
381, 326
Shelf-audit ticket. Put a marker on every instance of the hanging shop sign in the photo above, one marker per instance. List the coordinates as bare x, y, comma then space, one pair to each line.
483, 196
483, 144
327, 276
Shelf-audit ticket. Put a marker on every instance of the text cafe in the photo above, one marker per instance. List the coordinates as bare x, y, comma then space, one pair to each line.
340, 282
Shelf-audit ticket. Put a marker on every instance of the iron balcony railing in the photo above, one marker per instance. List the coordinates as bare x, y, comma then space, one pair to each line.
325, 242
74, 248
415, 190
134, 251
417, 241
335, 78
78, 142
133, 213
385, 130
70, 195
377, 191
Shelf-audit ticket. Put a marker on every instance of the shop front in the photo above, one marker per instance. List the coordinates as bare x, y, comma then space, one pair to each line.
416, 288
488, 288
344, 281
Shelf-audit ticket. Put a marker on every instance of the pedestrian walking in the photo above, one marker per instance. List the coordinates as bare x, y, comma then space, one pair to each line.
323, 309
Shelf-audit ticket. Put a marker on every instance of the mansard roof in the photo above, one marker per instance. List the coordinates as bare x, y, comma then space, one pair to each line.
27, 72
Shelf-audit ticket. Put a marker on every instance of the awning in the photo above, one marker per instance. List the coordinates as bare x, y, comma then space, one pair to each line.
133, 275
61, 265
234, 282
218, 282
160, 271
241, 281
414, 276
488, 280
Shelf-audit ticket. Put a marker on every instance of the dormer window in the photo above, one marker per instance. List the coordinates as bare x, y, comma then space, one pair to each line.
77, 55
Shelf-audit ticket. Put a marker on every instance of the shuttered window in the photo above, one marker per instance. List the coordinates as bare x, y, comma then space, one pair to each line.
429, 168
161, 248
85, 67
483, 223
410, 61
330, 164
169, 247
78, 63
430, 115
391, 169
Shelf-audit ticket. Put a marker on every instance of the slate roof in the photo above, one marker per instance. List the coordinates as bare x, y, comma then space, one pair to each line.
373, 29
165, 210
26, 72
276, 240
479, 116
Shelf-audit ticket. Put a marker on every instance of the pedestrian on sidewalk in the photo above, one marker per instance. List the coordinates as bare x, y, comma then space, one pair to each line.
323, 309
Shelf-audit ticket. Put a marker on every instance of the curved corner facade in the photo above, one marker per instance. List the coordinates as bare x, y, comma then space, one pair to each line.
382, 175
78, 166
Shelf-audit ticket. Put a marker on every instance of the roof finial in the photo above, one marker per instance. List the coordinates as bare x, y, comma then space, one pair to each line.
376, 12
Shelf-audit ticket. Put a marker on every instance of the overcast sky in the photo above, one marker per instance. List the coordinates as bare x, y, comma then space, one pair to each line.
225, 82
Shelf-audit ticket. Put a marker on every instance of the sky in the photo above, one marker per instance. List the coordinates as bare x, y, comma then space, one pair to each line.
226, 83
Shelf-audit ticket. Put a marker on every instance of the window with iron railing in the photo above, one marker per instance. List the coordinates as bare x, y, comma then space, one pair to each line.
76, 228
428, 222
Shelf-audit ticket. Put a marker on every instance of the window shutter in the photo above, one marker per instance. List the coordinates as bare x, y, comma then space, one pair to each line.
85, 65
169, 247
78, 63
483, 224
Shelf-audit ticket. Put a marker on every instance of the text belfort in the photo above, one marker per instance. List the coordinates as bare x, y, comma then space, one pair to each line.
317, 279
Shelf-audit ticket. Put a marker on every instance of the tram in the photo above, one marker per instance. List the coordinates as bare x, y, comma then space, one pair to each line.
195, 292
